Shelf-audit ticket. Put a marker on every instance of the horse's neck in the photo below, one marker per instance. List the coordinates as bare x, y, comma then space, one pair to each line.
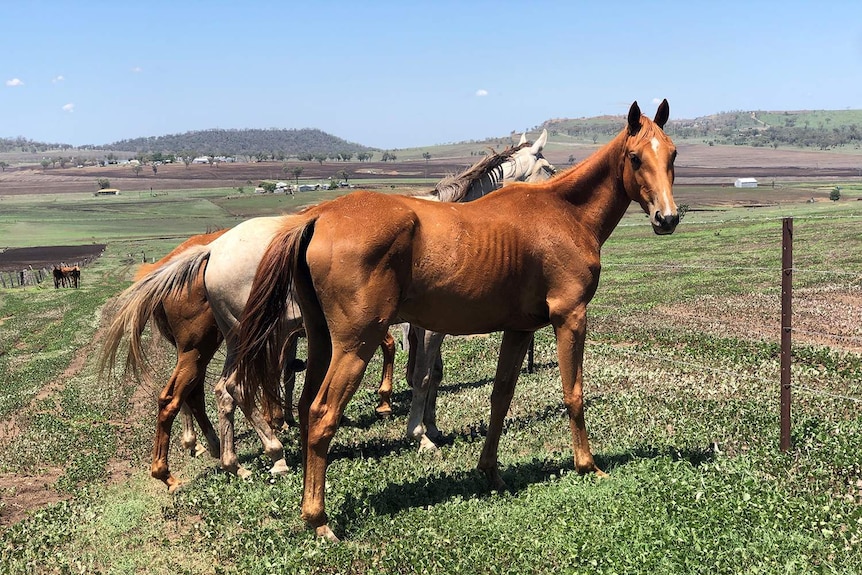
595, 189
489, 182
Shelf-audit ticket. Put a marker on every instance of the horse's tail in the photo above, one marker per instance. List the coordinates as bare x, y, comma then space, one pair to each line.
261, 328
142, 301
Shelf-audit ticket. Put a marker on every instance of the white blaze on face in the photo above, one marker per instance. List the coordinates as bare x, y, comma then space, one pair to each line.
663, 202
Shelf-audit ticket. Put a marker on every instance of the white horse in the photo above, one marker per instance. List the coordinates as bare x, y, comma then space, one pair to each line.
425, 365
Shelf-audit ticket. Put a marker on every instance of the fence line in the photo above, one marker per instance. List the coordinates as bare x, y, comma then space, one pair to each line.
715, 370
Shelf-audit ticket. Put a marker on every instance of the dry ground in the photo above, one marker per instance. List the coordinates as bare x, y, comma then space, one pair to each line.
696, 164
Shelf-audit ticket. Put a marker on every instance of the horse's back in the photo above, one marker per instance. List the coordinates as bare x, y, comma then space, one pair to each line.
233, 262
197, 240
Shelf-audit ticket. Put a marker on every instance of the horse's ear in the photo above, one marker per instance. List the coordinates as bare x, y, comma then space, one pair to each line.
634, 118
523, 139
540, 143
662, 114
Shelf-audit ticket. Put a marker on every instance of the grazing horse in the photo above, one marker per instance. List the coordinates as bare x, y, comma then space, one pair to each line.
515, 260
66, 276
185, 319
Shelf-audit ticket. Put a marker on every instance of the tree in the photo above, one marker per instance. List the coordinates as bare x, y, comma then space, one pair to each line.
320, 157
344, 175
296, 171
3, 166
103, 183
45, 163
835, 194
427, 156
155, 169
137, 169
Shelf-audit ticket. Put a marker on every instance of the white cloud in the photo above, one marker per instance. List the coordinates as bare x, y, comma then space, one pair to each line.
481, 92
657, 101
14, 82
69, 107
58, 79
137, 69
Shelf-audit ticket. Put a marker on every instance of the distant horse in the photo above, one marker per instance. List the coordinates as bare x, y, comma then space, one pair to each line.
521, 258
185, 317
66, 276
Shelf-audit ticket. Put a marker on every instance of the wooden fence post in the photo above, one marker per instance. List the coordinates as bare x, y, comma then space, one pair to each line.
786, 305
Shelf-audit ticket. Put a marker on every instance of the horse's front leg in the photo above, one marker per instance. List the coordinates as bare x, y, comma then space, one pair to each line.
571, 335
512, 352
425, 354
189, 437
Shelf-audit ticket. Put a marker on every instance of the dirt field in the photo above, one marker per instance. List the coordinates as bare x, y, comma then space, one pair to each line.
16, 259
697, 164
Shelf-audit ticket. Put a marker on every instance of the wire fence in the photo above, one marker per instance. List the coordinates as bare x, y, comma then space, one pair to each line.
850, 339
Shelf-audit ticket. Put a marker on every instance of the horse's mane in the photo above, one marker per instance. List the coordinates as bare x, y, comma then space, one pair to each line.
455, 188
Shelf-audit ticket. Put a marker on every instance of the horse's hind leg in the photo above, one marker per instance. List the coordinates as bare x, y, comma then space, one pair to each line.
427, 351
227, 396
196, 402
169, 405
384, 392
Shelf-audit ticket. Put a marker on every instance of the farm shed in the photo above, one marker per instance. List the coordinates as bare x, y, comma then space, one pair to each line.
745, 183
107, 192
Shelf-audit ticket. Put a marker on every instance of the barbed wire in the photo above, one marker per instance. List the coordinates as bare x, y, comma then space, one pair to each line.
735, 374
774, 269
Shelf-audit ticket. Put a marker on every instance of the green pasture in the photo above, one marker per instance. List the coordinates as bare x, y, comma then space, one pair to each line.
681, 413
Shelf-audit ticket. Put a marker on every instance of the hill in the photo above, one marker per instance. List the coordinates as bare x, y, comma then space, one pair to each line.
806, 129
819, 129
251, 142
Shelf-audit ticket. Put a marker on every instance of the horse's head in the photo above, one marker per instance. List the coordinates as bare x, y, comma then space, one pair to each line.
528, 164
648, 167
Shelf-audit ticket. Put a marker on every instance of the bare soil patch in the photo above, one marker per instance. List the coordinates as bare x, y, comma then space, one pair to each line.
697, 163
15, 259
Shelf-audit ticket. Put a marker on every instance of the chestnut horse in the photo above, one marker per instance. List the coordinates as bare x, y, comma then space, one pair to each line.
425, 365
184, 317
515, 260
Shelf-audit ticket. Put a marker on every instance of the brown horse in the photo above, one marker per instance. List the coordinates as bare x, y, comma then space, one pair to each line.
66, 276
516, 260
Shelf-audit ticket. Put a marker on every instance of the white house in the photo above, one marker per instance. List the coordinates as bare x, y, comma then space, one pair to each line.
745, 183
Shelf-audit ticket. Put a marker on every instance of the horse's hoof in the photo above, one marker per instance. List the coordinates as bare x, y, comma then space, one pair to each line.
176, 487
324, 532
243, 473
279, 468
198, 450
383, 413
427, 446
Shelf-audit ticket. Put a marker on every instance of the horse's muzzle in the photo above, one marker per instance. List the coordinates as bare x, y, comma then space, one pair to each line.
664, 225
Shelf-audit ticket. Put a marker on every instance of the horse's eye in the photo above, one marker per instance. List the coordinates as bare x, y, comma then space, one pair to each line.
673, 157
636, 161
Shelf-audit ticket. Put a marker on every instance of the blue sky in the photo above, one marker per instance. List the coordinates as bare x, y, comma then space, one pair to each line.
409, 73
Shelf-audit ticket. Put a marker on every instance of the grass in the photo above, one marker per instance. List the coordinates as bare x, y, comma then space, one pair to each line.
684, 419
